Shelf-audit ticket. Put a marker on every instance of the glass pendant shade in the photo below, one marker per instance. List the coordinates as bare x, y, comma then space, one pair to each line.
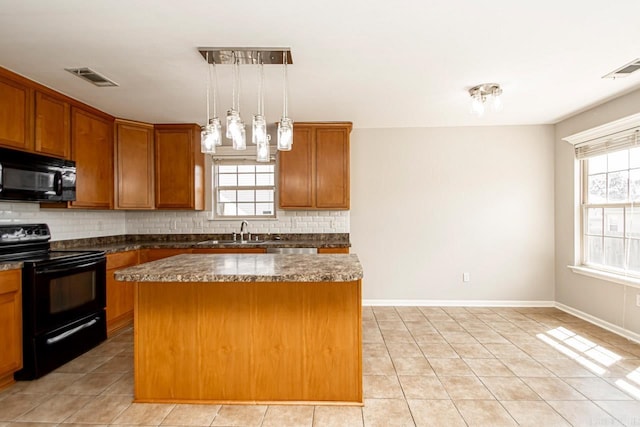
262, 153
285, 134
239, 136
207, 144
259, 130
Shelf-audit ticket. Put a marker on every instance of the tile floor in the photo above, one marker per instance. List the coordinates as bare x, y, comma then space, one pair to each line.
423, 366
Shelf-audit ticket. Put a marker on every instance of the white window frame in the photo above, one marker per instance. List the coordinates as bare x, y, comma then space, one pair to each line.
598, 141
215, 215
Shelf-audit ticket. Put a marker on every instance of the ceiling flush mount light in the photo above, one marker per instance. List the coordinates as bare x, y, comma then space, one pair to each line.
483, 95
235, 127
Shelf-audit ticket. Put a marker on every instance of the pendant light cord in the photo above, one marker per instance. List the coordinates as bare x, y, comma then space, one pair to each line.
215, 88
284, 95
208, 88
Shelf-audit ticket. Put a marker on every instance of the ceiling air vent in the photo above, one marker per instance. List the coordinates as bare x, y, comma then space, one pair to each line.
92, 77
624, 71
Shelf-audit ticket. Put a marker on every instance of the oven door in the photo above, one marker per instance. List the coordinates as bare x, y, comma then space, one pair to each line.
66, 291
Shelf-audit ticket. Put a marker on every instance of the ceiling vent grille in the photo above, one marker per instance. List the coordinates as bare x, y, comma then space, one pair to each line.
624, 71
92, 77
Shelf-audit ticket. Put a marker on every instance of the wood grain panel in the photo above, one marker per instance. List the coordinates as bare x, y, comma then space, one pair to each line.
296, 171
92, 150
134, 165
53, 126
10, 325
332, 168
122, 259
333, 250
229, 251
120, 295
16, 115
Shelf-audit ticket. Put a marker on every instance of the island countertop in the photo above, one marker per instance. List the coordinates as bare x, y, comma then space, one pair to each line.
246, 268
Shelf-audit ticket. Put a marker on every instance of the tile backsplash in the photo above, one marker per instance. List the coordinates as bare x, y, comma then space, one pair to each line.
76, 224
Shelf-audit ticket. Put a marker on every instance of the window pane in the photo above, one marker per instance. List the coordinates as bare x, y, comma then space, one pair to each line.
227, 169
633, 222
634, 158
597, 188
265, 168
594, 221
227, 196
597, 164
634, 255
264, 208
264, 179
634, 185
618, 186
594, 250
227, 180
246, 195
229, 209
247, 180
613, 222
246, 209
614, 252
246, 168
618, 161
264, 195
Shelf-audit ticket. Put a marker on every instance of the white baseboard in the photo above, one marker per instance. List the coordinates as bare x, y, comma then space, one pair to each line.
455, 303
630, 335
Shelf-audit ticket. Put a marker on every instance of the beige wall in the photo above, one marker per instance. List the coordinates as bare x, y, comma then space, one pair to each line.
605, 300
429, 204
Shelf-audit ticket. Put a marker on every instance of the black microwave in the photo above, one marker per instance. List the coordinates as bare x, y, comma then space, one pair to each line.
32, 177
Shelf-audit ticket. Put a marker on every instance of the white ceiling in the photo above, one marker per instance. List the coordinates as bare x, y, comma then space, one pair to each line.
403, 63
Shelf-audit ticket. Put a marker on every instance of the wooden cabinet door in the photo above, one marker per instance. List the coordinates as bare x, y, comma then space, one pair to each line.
155, 254
119, 294
332, 168
53, 126
179, 167
92, 150
295, 171
134, 165
16, 115
10, 325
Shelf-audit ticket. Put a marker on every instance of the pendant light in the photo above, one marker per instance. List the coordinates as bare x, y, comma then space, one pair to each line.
285, 126
235, 126
211, 134
259, 126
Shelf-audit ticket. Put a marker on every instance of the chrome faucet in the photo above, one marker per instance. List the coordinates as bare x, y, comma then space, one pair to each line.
243, 229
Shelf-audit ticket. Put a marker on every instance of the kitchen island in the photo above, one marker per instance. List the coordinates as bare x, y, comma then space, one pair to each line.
248, 328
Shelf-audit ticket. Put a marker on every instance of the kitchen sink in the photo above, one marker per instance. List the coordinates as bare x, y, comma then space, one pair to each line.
230, 242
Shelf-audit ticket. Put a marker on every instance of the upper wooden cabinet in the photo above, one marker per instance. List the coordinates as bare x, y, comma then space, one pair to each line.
16, 114
92, 150
179, 167
315, 173
53, 126
134, 165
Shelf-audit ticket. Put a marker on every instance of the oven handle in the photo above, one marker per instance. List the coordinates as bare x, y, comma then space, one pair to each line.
73, 331
66, 269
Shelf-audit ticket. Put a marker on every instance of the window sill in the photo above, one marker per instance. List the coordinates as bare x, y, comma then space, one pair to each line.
610, 277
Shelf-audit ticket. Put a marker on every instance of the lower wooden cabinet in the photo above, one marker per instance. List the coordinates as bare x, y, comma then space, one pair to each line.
229, 251
10, 325
119, 294
333, 250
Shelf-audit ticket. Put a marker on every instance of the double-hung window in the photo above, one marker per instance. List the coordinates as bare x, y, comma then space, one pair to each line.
243, 189
610, 203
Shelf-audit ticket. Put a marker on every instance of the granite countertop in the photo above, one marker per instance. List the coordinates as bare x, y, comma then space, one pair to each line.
246, 268
11, 265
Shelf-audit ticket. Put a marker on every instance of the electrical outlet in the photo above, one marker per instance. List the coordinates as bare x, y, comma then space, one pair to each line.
466, 277
637, 300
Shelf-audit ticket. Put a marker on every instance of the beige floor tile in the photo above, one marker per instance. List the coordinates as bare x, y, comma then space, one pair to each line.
101, 409
191, 415
117, 364
92, 383
392, 325
56, 409
527, 368
83, 364
123, 386
509, 388
435, 413
420, 326
438, 351
386, 413
404, 349
506, 351
50, 384
627, 412
489, 337
597, 389
374, 349
465, 388
386, 313
144, 414
565, 368
294, 416
447, 326
410, 313
482, 413
450, 367
240, 415
534, 414
370, 335
381, 387
459, 337
421, 387
28, 424
472, 350
377, 366
583, 413
109, 348
412, 366
397, 336
337, 416
428, 337
553, 389
488, 368
14, 405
